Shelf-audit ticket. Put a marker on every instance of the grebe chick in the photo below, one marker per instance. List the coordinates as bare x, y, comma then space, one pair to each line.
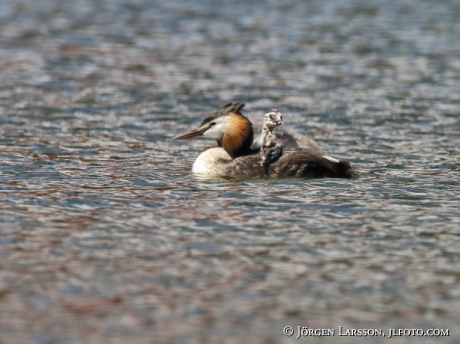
272, 119
234, 156
270, 148
271, 151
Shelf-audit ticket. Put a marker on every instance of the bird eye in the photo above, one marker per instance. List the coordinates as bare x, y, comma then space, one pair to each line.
212, 124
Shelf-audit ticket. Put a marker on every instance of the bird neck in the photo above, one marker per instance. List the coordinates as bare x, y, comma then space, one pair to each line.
238, 137
266, 129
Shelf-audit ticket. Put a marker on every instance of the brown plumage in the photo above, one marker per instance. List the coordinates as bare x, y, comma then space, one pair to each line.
238, 140
300, 163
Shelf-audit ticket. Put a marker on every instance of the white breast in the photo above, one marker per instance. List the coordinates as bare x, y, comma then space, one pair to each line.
211, 162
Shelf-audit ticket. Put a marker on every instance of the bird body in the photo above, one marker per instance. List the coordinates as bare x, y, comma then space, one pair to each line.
235, 157
271, 151
211, 162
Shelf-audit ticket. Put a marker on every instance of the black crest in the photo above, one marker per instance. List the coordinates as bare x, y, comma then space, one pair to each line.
223, 111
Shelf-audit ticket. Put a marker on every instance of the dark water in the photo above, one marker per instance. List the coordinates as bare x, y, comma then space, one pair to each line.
107, 237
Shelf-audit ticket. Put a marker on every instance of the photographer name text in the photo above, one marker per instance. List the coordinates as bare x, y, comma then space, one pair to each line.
303, 331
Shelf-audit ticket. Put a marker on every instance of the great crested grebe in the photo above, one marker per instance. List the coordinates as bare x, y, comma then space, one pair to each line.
234, 156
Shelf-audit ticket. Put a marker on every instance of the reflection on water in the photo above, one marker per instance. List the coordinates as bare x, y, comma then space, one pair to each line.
106, 234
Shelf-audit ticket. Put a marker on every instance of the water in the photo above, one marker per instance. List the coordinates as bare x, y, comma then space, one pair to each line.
107, 237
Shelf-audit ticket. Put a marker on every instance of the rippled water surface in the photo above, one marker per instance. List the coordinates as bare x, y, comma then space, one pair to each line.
107, 237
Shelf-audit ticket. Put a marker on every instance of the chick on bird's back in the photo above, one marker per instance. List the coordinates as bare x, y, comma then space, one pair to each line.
235, 157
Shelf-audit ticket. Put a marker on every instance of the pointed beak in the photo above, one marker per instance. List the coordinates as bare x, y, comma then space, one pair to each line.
190, 134
277, 121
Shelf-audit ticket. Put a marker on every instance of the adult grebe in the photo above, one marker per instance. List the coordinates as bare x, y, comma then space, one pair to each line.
234, 156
